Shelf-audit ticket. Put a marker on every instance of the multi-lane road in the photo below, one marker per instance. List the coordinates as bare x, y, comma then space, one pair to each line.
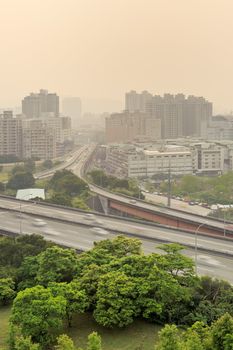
76, 157
118, 224
176, 204
76, 164
72, 228
81, 236
163, 210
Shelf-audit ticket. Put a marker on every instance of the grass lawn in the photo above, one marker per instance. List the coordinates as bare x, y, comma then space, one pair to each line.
4, 317
140, 335
4, 176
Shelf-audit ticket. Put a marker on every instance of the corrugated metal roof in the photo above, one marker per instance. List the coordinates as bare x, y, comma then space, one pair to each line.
29, 193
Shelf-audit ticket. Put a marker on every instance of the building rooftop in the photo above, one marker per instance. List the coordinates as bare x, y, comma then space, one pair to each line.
30, 193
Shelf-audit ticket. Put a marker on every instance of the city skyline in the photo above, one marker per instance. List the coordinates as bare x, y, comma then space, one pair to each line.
98, 49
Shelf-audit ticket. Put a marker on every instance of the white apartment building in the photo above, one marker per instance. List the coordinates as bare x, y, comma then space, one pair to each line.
208, 158
10, 134
39, 143
151, 162
185, 157
60, 125
129, 161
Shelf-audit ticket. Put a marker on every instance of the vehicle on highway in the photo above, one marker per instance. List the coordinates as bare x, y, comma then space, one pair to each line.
133, 201
99, 231
50, 231
39, 222
89, 217
208, 261
93, 219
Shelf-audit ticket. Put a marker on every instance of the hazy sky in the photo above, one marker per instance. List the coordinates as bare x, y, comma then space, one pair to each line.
102, 48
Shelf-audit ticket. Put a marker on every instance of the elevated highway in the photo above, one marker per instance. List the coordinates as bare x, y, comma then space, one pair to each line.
112, 223
163, 215
72, 229
151, 212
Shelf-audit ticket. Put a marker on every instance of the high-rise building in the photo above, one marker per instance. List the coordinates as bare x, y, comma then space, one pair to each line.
179, 116
126, 127
196, 111
10, 134
36, 104
135, 102
72, 106
39, 142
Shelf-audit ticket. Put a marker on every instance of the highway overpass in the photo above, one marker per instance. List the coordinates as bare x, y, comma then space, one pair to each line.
162, 215
120, 204
72, 229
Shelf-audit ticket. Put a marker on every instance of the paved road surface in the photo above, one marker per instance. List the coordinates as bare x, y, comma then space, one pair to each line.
125, 226
82, 237
176, 204
151, 207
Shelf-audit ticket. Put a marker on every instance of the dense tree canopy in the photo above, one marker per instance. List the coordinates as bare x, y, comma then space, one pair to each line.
198, 337
67, 182
37, 312
128, 187
56, 265
117, 283
7, 292
21, 180
77, 301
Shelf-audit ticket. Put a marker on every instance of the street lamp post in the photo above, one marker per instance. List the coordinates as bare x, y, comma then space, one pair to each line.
224, 223
169, 185
196, 232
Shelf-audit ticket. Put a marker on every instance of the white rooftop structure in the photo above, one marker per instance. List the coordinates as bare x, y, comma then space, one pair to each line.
30, 193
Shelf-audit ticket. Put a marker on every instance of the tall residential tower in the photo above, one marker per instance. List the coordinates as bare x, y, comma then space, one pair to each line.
38, 104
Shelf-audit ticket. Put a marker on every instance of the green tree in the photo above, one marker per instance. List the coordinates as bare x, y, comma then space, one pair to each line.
193, 343
94, 341
221, 330
56, 265
99, 177
72, 185
169, 339
178, 265
7, 292
190, 184
29, 165
77, 301
116, 304
67, 182
38, 314
228, 342
64, 343
212, 298
89, 282
14, 250
80, 204
203, 332
47, 164
17, 169
120, 246
21, 180
27, 272
22, 343
60, 198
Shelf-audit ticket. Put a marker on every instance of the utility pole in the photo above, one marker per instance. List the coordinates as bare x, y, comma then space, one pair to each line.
169, 185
